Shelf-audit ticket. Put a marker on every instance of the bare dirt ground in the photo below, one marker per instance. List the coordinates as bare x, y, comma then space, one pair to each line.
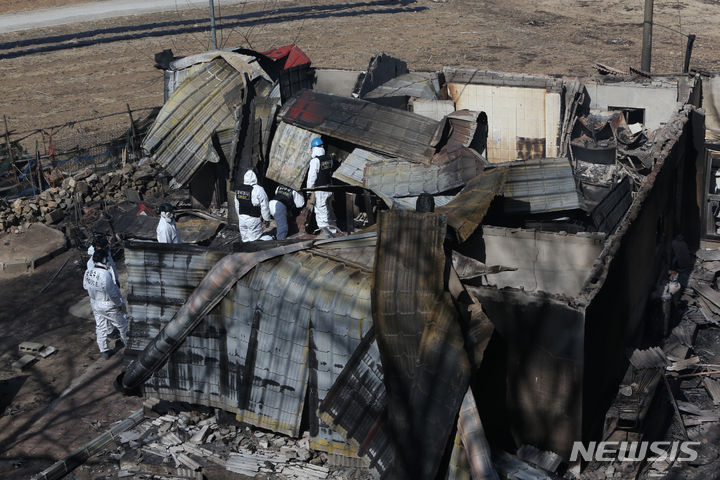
43, 89
518, 36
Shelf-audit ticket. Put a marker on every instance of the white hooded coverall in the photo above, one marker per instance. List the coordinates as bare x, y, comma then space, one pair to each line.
107, 304
251, 227
279, 212
167, 231
111, 264
324, 215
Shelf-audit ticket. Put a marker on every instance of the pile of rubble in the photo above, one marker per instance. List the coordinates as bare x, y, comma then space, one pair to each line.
189, 441
671, 393
83, 188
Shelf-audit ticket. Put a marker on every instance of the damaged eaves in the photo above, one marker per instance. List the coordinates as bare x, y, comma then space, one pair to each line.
181, 137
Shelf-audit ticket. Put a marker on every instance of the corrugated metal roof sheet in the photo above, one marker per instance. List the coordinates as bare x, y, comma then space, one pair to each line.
352, 169
356, 406
464, 125
272, 309
387, 130
409, 84
181, 136
466, 211
422, 349
160, 278
265, 108
290, 155
242, 63
543, 185
291, 323
399, 178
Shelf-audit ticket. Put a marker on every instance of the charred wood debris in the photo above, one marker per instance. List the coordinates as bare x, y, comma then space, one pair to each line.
606, 154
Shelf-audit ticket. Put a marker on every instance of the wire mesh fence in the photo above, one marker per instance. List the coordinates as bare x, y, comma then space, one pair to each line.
45, 156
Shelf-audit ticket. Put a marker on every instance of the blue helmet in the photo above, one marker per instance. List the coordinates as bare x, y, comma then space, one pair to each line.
316, 143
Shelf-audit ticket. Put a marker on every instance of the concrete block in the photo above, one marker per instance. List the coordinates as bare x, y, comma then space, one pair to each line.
36, 262
25, 362
54, 217
30, 347
17, 266
47, 351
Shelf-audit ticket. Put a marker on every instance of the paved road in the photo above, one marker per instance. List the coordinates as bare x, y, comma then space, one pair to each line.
50, 17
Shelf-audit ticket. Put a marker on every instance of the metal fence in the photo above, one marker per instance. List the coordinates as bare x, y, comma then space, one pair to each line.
101, 143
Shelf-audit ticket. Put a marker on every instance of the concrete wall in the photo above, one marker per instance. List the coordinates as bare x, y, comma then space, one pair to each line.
530, 380
639, 254
513, 112
340, 82
657, 98
548, 262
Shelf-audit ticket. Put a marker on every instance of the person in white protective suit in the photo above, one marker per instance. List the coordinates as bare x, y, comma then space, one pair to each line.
106, 301
167, 231
285, 200
252, 207
320, 175
101, 243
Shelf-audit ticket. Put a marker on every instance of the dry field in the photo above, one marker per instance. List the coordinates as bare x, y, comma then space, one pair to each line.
518, 36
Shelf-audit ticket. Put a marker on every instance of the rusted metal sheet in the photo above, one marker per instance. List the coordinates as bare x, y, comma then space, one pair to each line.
382, 129
422, 349
538, 186
466, 211
290, 155
180, 138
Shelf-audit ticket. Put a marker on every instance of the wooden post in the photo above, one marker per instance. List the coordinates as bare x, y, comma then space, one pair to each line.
132, 126
369, 208
12, 159
350, 211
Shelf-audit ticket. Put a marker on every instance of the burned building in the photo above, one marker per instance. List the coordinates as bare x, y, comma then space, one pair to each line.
557, 204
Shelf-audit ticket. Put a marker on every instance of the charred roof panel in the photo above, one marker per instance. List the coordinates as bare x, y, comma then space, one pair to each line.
180, 138
466, 211
424, 362
381, 68
538, 186
290, 155
387, 130
409, 84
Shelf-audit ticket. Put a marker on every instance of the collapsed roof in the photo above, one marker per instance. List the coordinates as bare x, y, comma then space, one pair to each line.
374, 336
